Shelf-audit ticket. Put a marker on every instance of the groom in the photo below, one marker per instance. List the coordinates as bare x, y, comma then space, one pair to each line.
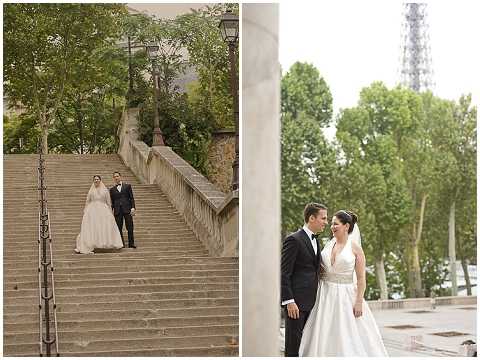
123, 205
301, 260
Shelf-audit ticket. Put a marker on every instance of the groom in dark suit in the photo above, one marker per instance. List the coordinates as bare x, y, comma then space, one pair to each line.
123, 205
301, 262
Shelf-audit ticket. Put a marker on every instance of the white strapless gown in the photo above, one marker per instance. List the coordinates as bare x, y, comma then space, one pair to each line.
331, 328
99, 229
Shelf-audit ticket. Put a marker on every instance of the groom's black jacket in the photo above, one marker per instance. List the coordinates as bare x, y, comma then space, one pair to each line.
122, 202
300, 269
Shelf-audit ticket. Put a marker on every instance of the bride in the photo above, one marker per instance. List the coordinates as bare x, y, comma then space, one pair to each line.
99, 229
341, 323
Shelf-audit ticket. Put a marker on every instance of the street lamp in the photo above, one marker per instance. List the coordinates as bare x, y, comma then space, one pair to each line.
229, 29
152, 51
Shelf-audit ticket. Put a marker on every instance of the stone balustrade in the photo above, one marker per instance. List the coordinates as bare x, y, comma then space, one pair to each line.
211, 214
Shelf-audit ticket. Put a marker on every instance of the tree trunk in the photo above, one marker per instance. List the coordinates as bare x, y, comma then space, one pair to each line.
44, 132
468, 284
410, 275
451, 249
464, 263
415, 273
381, 278
417, 276
80, 130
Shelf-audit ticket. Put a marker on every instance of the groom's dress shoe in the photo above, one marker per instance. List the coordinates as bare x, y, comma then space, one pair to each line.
132, 246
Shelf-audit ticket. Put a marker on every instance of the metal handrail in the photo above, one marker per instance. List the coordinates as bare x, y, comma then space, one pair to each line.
44, 266
52, 270
40, 331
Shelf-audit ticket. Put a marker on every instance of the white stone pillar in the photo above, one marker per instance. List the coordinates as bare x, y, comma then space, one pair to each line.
260, 181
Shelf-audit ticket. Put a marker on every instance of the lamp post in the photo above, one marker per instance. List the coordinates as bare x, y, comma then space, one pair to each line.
229, 29
152, 50
130, 70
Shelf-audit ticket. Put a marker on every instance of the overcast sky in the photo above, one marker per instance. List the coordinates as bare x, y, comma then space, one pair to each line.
354, 43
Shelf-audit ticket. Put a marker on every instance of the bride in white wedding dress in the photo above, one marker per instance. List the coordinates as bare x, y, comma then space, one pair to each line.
341, 323
99, 229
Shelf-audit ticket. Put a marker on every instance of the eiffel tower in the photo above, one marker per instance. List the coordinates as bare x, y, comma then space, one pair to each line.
416, 70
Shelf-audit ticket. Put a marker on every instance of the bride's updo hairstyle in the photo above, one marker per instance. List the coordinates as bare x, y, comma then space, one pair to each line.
347, 217
97, 176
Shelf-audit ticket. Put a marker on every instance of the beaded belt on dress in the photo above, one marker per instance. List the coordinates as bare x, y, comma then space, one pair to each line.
338, 278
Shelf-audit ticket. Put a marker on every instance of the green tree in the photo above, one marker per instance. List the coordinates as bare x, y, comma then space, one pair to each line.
208, 55
20, 134
454, 139
304, 90
308, 159
372, 177
43, 44
308, 162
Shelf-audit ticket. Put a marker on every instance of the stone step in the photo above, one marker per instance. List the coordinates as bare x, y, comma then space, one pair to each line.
136, 349
131, 314
69, 189
161, 304
87, 267
128, 289
121, 254
160, 234
61, 250
53, 194
76, 193
31, 246
95, 298
76, 208
140, 227
72, 233
139, 333
28, 204
118, 323
13, 277
126, 276
60, 284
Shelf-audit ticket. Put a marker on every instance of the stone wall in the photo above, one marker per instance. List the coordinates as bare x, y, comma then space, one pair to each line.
211, 214
421, 302
221, 155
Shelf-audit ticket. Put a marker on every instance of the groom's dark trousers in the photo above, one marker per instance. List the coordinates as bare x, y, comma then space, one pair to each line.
299, 272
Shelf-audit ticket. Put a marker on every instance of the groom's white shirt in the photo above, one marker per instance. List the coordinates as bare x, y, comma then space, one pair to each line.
119, 187
314, 245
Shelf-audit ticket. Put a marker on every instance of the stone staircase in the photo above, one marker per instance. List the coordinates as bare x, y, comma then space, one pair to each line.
165, 298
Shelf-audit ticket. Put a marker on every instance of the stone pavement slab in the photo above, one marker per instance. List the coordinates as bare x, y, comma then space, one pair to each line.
427, 322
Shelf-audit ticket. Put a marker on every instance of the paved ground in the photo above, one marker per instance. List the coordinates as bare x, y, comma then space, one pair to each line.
458, 318
399, 342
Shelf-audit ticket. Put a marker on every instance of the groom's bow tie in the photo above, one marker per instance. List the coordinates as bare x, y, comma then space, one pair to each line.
315, 236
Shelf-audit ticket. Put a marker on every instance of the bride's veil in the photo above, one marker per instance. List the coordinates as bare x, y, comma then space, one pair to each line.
355, 235
98, 192
356, 238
